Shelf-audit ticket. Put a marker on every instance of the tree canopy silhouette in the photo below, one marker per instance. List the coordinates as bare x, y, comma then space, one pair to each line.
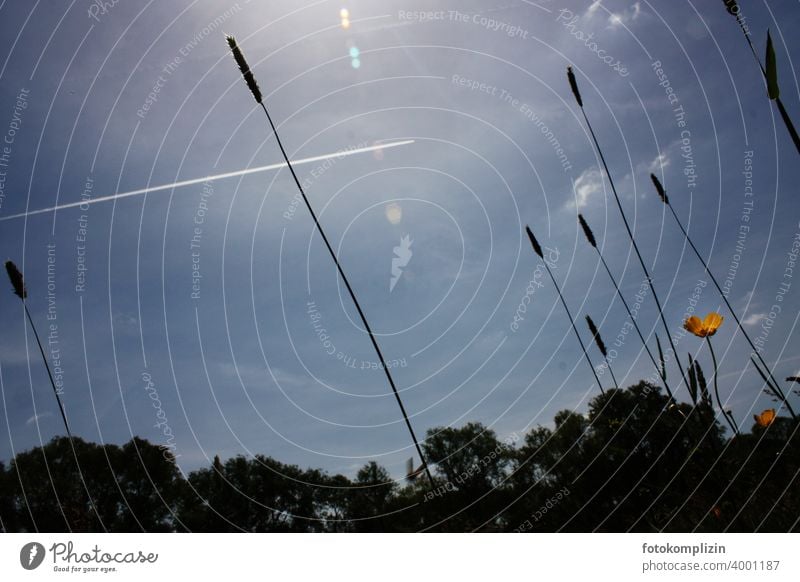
636, 461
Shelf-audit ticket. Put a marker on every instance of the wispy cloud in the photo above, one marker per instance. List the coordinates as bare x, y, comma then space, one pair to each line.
753, 319
659, 162
593, 7
615, 19
626, 16
587, 184
125, 322
37, 417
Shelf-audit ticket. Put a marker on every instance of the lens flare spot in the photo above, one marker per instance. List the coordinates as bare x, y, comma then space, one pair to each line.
394, 213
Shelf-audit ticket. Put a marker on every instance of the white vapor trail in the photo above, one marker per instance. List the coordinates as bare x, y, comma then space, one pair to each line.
340, 154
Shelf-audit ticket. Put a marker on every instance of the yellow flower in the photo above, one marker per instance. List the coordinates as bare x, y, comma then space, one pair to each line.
706, 327
766, 418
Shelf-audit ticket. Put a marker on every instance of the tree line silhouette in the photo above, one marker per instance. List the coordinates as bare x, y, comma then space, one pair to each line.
633, 462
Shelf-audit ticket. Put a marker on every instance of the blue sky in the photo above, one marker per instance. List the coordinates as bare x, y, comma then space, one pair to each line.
239, 367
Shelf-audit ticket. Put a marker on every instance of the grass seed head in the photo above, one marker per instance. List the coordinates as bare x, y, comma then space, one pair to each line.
596, 335
574, 86
660, 189
17, 282
772, 70
587, 231
731, 6
534, 243
244, 68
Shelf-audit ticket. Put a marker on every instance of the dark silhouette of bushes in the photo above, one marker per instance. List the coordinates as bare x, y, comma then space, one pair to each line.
129, 488
634, 462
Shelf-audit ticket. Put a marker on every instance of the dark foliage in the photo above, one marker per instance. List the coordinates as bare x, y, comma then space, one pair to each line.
635, 462
127, 489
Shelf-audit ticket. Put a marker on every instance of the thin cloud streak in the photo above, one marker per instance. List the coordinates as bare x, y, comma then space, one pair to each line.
340, 154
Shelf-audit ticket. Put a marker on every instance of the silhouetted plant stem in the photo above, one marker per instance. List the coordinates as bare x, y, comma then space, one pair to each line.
598, 340
576, 92
611, 371
728, 416
773, 91
49, 373
787, 121
253, 86
538, 250
662, 194
590, 237
770, 387
21, 291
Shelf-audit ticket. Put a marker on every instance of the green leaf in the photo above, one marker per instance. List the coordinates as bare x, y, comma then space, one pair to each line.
772, 71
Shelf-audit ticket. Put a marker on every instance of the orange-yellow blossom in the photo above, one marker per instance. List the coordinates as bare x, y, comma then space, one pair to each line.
766, 418
706, 327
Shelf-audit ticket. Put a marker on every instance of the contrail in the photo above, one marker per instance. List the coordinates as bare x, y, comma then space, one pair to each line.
340, 154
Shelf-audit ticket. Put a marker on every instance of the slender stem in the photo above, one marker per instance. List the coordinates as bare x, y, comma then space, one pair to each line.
787, 121
635, 246
730, 309
613, 377
728, 417
572, 322
352, 296
49, 373
633, 320
63, 414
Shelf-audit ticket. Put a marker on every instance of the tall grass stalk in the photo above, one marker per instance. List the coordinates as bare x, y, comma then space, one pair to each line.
593, 242
665, 199
21, 291
574, 86
769, 73
538, 250
598, 340
254, 89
